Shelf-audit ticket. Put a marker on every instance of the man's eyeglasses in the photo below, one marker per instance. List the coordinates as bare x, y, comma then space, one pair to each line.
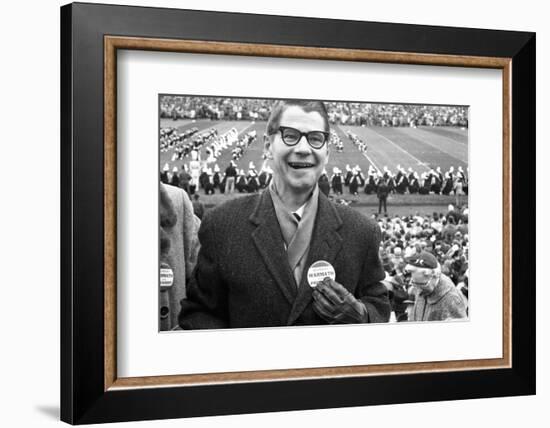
291, 136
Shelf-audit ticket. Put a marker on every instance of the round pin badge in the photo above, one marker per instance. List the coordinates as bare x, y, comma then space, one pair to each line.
166, 275
318, 271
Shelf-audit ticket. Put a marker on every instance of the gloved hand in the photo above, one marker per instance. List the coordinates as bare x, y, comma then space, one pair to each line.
336, 305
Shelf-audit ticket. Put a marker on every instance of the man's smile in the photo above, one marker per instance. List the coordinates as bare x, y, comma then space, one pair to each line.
301, 165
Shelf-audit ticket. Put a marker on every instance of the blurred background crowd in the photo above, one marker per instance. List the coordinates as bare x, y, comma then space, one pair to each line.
341, 113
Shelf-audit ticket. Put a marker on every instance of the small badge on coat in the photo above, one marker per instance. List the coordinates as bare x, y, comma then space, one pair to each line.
318, 271
166, 275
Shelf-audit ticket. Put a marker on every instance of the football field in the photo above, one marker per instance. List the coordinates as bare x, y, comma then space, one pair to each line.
420, 148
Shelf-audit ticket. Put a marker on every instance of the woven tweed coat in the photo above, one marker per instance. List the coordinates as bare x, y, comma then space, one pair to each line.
243, 279
444, 303
179, 248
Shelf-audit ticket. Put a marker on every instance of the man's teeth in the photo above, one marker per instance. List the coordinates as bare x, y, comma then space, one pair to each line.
300, 164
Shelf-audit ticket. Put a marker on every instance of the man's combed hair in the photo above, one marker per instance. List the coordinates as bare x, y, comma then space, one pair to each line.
306, 105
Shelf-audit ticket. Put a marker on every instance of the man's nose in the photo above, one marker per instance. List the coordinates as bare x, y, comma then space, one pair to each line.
302, 146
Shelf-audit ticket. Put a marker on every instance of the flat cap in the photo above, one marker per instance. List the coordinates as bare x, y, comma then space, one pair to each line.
423, 259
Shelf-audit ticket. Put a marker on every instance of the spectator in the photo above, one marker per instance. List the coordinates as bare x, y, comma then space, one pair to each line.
436, 297
178, 251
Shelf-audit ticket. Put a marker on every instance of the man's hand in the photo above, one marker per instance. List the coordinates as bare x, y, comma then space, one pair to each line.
336, 305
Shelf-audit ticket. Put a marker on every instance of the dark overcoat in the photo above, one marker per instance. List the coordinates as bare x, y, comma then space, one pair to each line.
243, 279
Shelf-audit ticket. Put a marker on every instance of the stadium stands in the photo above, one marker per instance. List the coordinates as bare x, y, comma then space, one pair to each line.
341, 113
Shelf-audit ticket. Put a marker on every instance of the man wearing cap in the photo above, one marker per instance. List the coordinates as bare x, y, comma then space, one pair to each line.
254, 268
436, 297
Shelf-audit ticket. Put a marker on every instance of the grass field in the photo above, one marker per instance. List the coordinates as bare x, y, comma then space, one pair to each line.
419, 148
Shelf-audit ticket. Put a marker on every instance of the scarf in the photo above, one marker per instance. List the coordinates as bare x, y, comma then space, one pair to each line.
296, 234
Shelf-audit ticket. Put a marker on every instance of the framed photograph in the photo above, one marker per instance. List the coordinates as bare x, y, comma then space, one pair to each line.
266, 213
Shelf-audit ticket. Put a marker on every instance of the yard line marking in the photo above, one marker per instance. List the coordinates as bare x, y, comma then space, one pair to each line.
239, 132
245, 128
444, 151
372, 163
402, 149
427, 129
363, 153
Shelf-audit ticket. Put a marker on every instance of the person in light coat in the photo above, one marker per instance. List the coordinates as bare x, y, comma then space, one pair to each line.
435, 296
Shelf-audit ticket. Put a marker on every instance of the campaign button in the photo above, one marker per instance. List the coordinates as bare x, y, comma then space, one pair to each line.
166, 275
318, 271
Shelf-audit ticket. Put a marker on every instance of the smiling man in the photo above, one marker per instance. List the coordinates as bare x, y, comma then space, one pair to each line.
259, 253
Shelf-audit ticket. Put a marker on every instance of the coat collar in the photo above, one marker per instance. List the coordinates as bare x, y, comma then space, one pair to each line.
270, 243
443, 287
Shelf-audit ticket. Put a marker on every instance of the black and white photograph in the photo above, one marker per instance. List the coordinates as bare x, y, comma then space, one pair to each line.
259, 214
300, 212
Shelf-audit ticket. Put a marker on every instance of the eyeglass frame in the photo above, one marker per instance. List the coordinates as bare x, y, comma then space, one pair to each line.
302, 134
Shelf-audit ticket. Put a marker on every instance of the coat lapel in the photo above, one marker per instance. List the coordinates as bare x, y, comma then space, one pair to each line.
326, 243
269, 241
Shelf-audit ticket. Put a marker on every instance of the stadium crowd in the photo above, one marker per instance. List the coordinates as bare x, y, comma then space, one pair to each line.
341, 113
443, 235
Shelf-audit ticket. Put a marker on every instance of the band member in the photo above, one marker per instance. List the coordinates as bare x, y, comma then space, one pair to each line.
194, 171
324, 184
354, 182
337, 181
